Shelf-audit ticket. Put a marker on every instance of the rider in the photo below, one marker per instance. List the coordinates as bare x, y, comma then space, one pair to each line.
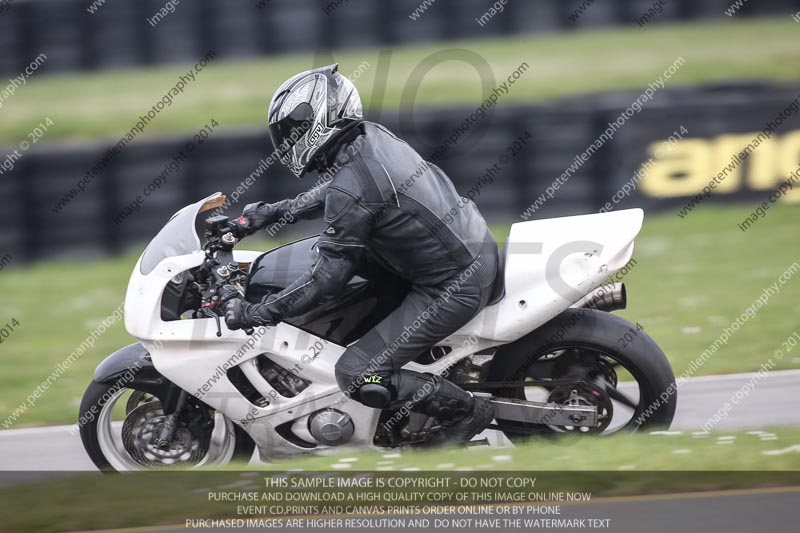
384, 204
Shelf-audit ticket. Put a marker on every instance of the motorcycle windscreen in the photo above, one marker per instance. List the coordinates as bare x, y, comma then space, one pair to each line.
179, 234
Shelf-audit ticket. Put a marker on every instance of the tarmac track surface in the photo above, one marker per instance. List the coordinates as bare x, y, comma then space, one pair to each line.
770, 404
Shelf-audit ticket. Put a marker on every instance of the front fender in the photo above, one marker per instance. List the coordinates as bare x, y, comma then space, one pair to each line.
130, 367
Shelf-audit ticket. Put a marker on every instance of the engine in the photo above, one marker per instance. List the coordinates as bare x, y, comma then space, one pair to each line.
331, 427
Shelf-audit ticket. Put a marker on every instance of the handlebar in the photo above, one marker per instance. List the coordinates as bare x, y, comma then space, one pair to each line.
219, 268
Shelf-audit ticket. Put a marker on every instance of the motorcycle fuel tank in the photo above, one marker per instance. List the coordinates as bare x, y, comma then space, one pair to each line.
366, 299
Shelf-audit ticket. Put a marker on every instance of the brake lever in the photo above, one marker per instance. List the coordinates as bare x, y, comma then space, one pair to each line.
211, 314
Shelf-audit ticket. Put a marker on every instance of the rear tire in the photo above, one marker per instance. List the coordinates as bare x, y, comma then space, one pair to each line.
96, 399
592, 331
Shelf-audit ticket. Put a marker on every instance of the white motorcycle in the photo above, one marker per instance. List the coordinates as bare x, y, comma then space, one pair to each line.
547, 350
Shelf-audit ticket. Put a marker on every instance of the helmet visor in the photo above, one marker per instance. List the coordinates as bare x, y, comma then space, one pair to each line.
286, 132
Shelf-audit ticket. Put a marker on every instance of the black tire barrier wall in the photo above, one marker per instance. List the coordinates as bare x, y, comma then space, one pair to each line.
718, 121
118, 33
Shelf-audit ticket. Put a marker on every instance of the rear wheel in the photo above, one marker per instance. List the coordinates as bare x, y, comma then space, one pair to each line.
120, 427
631, 381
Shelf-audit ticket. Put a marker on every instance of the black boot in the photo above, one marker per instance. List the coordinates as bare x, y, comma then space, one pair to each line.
463, 430
461, 414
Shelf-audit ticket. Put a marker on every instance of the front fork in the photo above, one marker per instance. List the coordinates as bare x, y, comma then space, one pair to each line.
167, 432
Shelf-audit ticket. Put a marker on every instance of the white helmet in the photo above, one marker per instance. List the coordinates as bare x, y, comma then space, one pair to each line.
307, 112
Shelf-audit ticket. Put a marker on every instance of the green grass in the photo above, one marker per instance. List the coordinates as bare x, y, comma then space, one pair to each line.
665, 451
693, 277
106, 105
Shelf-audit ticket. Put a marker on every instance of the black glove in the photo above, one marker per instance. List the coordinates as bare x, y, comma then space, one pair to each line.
257, 216
227, 292
240, 227
242, 315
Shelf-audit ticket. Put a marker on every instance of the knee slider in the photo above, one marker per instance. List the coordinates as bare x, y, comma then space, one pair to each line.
375, 392
376, 396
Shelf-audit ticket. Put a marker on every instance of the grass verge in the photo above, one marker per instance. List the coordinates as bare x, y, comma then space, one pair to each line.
667, 451
106, 105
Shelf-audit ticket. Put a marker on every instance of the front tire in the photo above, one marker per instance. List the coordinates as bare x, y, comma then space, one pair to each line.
104, 442
605, 341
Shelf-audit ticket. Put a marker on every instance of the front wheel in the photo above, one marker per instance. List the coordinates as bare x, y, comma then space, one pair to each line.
632, 382
119, 429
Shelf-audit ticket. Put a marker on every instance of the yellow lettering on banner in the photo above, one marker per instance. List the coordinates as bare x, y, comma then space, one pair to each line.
692, 163
726, 149
684, 171
787, 161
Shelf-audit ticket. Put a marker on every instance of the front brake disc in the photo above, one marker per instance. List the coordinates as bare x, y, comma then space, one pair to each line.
140, 432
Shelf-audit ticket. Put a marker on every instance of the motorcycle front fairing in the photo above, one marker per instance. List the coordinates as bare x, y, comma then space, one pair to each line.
190, 354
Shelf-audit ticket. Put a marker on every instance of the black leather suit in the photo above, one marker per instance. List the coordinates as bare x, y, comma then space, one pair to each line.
386, 203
